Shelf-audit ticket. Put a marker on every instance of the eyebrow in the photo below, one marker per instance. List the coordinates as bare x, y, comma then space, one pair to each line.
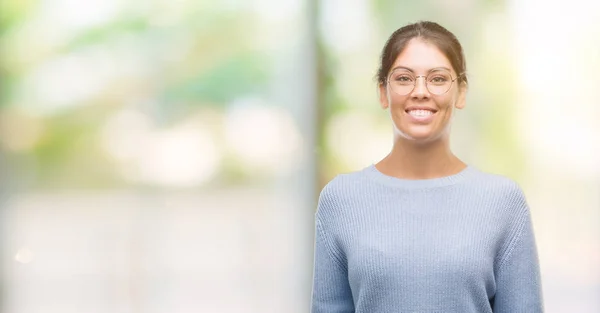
411, 70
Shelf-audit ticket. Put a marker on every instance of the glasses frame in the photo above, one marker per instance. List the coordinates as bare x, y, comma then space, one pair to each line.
426, 84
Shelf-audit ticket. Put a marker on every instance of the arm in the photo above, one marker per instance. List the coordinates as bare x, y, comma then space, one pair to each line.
331, 291
518, 281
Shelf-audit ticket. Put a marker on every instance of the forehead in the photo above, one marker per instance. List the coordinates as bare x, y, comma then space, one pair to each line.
421, 56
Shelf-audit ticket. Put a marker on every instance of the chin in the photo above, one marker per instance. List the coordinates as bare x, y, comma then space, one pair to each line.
420, 136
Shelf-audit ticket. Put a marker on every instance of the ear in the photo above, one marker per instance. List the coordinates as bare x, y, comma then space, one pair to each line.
461, 101
383, 98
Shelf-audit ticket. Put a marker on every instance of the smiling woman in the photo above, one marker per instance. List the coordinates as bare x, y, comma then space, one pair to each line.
421, 112
422, 231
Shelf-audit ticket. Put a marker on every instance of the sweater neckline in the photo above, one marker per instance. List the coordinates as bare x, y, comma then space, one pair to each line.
372, 172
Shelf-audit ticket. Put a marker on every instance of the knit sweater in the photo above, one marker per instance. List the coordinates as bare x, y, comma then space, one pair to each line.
463, 243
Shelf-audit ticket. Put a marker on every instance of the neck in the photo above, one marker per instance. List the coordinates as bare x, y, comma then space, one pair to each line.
412, 160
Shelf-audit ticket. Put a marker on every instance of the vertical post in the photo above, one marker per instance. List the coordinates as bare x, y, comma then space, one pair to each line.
4, 180
311, 126
3, 224
313, 118
297, 88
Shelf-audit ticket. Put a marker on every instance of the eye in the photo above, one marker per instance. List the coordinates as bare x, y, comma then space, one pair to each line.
438, 79
403, 79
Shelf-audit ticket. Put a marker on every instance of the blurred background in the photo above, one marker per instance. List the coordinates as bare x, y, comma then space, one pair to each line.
166, 156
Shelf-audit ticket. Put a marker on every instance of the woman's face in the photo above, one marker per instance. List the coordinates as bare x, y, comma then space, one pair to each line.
420, 115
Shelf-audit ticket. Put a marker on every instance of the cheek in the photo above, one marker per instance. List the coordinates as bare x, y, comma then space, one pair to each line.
447, 102
397, 101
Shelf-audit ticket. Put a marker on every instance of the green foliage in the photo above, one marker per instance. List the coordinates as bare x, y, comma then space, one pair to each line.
70, 154
393, 14
232, 77
217, 59
6, 87
13, 12
104, 33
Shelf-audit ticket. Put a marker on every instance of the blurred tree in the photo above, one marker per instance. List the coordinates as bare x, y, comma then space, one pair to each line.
207, 56
223, 83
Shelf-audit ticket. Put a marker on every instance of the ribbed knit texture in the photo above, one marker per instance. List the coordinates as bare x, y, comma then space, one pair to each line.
462, 243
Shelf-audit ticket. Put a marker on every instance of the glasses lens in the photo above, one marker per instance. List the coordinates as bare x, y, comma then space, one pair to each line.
439, 82
402, 81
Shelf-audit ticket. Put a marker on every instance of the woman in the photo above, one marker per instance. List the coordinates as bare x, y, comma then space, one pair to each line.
421, 231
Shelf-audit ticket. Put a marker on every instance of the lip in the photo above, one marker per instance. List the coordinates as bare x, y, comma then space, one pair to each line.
420, 119
420, 107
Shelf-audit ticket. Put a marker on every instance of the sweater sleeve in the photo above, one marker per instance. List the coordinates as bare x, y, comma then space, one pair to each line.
518, 281
331, 291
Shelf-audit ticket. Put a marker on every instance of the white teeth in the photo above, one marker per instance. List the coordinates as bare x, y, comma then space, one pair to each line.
420, 113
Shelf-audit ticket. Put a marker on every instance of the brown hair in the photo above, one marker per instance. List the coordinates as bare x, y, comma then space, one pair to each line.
430, 32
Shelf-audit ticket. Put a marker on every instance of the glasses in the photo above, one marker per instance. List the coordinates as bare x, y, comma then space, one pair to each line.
403, 81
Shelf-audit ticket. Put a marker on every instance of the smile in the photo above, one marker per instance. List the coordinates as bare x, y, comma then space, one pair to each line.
420, 112
421, 115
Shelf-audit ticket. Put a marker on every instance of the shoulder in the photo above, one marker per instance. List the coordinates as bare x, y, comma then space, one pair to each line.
507, 207
344, 184
341, 192
497, 185
505, 192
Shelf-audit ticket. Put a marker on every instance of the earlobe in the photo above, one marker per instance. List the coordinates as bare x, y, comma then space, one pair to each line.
383, 99
461, 101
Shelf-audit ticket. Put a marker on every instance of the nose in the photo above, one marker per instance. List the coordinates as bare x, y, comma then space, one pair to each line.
420, 91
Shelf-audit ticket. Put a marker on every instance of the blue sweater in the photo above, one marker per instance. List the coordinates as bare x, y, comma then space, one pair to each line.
458, 244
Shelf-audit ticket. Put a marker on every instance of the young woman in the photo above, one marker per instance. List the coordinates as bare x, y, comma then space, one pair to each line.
421, 231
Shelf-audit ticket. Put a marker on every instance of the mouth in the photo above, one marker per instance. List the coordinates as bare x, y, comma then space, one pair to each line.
420, 112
